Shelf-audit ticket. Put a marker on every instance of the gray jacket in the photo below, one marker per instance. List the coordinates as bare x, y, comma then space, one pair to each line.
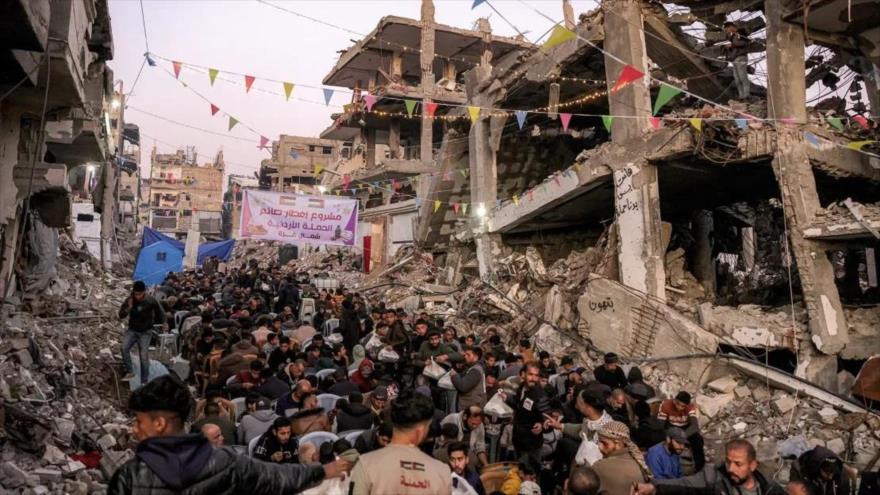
471, 387
255, 424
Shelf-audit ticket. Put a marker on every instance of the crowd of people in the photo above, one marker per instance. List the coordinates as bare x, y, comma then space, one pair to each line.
294, 389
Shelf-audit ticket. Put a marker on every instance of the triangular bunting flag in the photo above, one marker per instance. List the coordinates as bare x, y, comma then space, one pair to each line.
515, 199
150, 61
531, 193
214, 109
288, 89
656, 122
463, 172
862, 121
577, 166
232, 122
627, 75
456, 207
248, 82
436, 205
476, 3
743, 124
666, 93
318, 169
264, 141
858, 145
558, 36
464, 207
430, 108
565, 118
521, 118
607, 120
556, 180
498, 203
697, 123
410, 105
835, 122
812, 139
475, 113
395, 184
177, 66
212, 75
369, 101
328, 93
346, 180
418, 202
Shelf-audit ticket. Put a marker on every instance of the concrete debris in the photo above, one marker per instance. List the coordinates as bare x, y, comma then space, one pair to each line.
784, 404
723, 385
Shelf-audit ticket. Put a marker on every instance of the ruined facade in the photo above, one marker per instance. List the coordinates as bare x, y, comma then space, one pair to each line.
293, 162
184, 195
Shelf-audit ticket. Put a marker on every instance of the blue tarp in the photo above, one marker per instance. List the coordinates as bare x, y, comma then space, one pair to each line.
153, 236
221, 249
156, 261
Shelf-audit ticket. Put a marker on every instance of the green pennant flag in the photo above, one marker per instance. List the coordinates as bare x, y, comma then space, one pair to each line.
232, 122
212, 74
835, 123
410, 106
607, 120
666, 93
559, 36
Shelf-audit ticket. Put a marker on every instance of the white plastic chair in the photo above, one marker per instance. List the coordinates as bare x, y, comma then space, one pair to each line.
252, 445
351, 435
232, 379
321, 374
166, 347
307, 308
328, 401
318, 438
178, 317
330, 325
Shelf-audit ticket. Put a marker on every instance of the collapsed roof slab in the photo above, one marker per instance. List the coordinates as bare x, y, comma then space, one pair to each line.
850, 24
846, 222
393, 169
400, 34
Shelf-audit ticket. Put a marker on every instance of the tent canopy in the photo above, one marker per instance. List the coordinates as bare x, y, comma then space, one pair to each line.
156, 261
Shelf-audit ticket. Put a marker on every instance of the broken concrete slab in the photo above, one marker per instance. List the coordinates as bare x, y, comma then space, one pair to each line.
48, 475
711, 406
784, 404
828, 415
723, 385
13, 476
742, 392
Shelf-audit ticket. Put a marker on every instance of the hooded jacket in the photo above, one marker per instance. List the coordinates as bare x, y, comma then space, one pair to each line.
359, 379
807, 469
713, 481
188, 465
255, 424
353, 416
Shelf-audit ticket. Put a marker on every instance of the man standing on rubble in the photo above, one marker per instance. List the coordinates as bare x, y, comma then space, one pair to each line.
143, 312
738, 55
170, 461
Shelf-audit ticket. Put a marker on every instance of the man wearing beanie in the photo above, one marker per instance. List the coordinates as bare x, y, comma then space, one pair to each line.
143, 312
622, 464
170, 461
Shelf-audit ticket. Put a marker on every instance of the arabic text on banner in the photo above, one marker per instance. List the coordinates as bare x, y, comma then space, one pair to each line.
298, 218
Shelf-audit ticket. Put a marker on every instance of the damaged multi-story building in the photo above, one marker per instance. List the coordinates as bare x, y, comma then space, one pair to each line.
707, 225
59, 133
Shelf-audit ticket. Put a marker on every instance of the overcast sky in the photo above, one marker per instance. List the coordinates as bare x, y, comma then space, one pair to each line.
253, 38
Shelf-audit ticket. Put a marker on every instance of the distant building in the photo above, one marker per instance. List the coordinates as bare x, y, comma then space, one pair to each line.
292, 166
182, 192
235, 185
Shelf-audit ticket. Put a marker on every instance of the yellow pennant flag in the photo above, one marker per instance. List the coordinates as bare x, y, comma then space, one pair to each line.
475, 113
559, 36
318, 169
464, 207
436, 206
516, 199
697, 123
858, 145
288, 89
212, 74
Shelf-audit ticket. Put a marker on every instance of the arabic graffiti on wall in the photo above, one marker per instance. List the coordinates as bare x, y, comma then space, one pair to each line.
298, 218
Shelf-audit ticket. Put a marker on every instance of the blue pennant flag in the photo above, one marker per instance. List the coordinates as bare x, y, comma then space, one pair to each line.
328, 93
151, 61
521, 118
812, 139
418, 202
498, 203
742, 123
477, 3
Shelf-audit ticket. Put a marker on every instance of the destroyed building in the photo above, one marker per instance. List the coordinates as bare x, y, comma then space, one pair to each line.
185, 195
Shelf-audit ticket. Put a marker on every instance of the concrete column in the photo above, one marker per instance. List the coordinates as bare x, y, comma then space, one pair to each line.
427, 79
703, 264
636, 190
394, 138
370, 147
797, 184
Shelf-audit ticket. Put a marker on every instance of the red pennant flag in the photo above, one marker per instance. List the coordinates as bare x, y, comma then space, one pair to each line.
531, 194
430, 108
456, 206
177, 66
627, 75
565, 118
214, 109
394, 184
346, 180
862, 121
556, 179
656, 122
248, 82
264, 141
369, 101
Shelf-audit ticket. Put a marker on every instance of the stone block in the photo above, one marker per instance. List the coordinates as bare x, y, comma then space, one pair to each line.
836, 445
784, 404
107, 442
723, 385
742, 392
48, 475
740, 427
24, 358
828, 415
711, 406
761, 393
54, 456
64, 428
13, 476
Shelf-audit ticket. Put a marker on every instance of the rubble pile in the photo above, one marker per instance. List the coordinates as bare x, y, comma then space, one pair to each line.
61, 426
340, 264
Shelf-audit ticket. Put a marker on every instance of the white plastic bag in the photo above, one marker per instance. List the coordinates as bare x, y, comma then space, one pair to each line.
388, 356
498, 408
587, 453
433, 370
445, 382
374, 344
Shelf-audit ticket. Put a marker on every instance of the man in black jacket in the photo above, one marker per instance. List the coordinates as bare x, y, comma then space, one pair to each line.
169, 461
825, 471
738, 55
143, 312
610, 373
737, 475
530, 406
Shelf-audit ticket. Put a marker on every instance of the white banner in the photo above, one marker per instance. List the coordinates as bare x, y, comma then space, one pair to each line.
298, 218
